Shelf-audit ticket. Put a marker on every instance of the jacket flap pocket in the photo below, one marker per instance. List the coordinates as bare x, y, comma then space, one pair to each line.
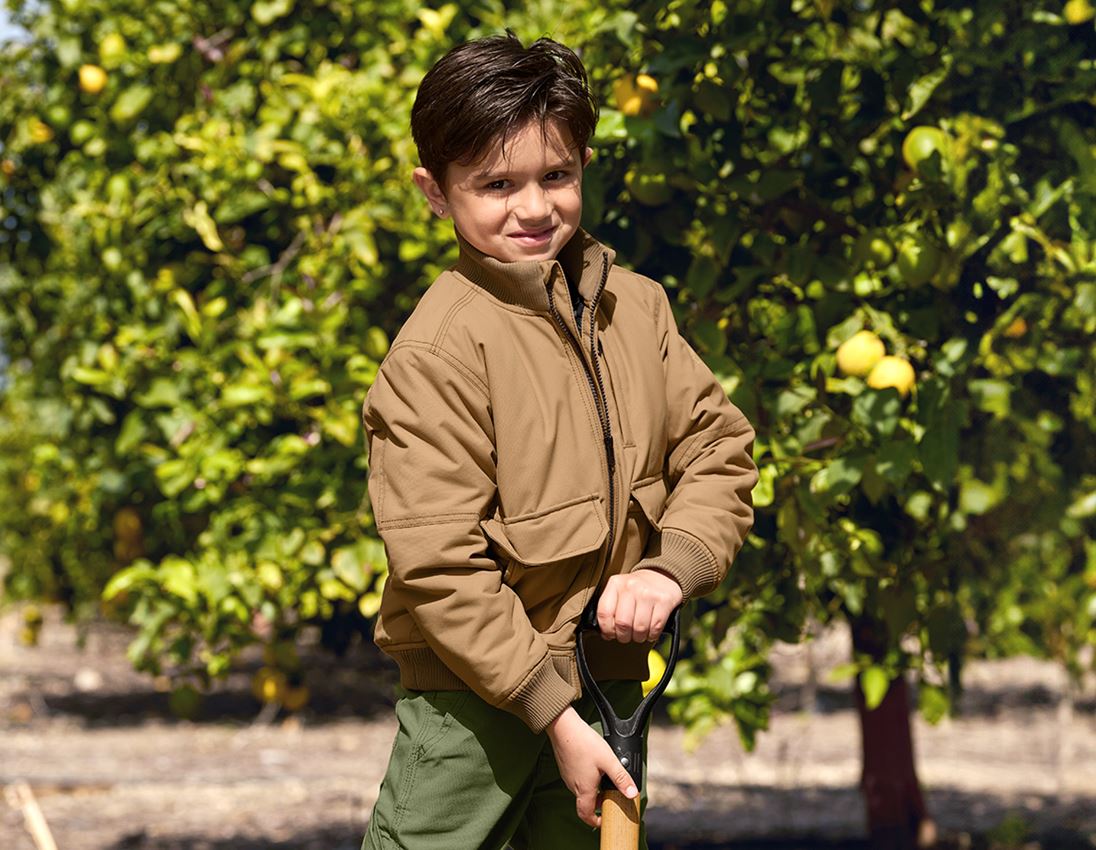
651, 496
550, 535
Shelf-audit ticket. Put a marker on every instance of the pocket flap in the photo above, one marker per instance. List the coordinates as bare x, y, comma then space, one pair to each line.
651, 496
550, 535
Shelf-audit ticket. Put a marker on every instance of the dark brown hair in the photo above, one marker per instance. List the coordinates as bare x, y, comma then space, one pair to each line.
484, 90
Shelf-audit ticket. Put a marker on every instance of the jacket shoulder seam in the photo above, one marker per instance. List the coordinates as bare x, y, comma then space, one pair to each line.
443, 354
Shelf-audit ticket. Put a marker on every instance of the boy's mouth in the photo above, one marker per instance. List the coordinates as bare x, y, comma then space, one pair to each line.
534, 237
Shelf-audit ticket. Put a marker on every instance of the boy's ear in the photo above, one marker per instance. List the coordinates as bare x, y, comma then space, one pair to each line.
586, 155
431, 190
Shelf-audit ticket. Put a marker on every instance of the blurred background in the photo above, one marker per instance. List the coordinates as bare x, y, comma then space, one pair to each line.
877, 225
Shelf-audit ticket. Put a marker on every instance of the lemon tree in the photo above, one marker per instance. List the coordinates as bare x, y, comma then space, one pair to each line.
886, 249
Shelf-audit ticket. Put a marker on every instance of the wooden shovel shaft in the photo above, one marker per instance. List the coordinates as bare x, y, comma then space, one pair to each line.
619, 821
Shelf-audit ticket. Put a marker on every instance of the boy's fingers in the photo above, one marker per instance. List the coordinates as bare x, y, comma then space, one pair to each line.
625, 614
641, 623
585, 804
624, 783
606, 607
620, 777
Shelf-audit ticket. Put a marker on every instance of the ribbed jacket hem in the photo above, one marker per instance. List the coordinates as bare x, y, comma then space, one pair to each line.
549, 688
541, 697
686, 560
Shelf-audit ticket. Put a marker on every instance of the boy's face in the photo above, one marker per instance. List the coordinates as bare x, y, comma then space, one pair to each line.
521, 206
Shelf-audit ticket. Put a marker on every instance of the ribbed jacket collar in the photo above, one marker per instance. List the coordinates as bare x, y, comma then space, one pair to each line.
526, 283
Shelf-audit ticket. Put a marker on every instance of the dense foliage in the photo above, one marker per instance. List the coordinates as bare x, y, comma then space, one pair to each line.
210, 235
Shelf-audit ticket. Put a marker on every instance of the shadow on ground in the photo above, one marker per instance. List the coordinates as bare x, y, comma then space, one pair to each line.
359, 684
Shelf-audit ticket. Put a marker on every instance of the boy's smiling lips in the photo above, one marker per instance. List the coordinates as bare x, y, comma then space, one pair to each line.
533, 237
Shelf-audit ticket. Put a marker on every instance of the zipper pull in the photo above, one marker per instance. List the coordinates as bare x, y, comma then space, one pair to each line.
609, 453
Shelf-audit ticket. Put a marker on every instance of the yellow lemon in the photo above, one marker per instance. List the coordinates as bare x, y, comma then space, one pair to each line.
40, 131
93, 79
626, 97
892, 372
656, 666
859, 353
269, 685
1078, 12
636, 95
646, 83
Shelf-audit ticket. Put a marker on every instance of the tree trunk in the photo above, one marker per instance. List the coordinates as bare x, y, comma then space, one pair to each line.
897, 818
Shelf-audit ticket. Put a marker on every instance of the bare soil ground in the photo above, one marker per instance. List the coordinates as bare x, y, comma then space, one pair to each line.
111, 769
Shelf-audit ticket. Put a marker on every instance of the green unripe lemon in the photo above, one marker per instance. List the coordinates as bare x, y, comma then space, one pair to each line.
918, 260
871, 248
920, 143
112, 50
648, 187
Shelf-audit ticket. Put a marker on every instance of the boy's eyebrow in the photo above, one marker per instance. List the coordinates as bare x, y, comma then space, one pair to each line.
559, 163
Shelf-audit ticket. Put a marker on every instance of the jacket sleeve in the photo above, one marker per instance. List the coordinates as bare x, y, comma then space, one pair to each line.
709, 510
431, 449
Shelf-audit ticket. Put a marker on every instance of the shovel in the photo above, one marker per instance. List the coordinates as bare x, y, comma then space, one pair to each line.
619, 815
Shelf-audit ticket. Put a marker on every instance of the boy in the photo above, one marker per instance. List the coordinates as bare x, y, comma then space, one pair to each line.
524, 459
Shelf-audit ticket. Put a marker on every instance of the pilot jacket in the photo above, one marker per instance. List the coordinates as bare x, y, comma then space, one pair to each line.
519, 456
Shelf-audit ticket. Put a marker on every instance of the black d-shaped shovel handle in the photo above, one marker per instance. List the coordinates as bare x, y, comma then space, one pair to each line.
625, 735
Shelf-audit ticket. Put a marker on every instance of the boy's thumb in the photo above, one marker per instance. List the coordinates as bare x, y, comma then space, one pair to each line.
622, 780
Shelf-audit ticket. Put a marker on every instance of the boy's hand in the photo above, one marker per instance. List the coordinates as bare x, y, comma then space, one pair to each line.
634, 607
582, 756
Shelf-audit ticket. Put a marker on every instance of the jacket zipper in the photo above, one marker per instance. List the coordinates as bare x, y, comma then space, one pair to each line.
596, 388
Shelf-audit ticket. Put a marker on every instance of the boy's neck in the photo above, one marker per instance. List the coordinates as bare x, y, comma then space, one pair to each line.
523, 282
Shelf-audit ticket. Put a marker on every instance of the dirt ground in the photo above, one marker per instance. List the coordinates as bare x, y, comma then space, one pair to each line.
111, 769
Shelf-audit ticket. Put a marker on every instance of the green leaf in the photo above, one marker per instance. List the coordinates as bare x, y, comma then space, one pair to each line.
164, 392
978, 497
992, 396
1083, 507
839, 476
894, 460
763, 492
347, 564
137, 573
875, 683
933, 703
939, 446
131, 103
877, 412
921, 90
265, 12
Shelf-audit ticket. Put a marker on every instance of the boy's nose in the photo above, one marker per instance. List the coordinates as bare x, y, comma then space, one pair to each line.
533, 204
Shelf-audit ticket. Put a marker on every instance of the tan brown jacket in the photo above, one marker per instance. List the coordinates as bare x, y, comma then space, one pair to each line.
517, 461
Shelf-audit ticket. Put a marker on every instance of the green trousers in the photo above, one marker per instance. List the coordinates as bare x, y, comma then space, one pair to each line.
466, 775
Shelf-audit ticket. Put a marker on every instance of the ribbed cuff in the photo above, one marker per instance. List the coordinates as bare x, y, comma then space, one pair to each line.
685, 559
542, 697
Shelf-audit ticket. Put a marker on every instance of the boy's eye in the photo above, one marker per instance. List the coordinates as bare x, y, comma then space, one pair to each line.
495, 185
555, 175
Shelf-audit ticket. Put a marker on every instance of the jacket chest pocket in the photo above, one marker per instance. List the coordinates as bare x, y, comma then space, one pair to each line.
648, 497
549, 536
